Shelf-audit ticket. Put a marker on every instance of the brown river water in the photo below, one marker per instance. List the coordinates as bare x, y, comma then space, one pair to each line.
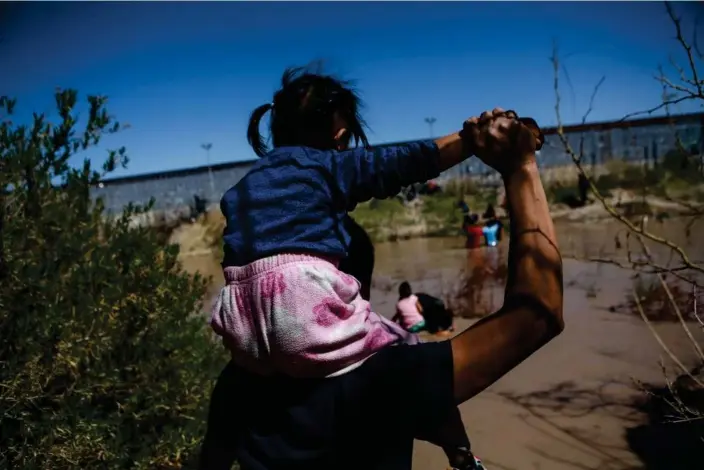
570, 405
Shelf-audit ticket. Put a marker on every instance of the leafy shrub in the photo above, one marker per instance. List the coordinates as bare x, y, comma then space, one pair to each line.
441, 211
105, 360
557, 192
683, 165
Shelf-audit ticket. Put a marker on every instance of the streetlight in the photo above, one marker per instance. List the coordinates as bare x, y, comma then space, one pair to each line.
430, 121
207, 146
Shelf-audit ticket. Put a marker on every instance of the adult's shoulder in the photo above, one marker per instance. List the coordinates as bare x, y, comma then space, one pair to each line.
410, 374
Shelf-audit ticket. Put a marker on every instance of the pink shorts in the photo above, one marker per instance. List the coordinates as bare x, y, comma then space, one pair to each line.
300, 316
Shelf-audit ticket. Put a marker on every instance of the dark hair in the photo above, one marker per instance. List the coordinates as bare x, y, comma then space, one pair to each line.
303, 110
490, 212
404, 290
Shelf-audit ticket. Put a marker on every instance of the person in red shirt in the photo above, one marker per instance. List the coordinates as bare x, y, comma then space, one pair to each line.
474, 232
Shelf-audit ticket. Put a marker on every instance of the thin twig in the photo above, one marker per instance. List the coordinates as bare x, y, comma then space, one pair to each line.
694, 308
646, 268
589, 111
660, 341
673, 302
688, 49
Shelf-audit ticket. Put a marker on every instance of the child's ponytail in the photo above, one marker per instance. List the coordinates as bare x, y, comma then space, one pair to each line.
255, 139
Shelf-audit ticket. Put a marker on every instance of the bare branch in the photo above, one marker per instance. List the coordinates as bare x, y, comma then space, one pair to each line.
678, 92
695, 39
688, 50
675, 307
647, 268
609, 209
654, 108
588, 112
660, 341
686, 87
694, 312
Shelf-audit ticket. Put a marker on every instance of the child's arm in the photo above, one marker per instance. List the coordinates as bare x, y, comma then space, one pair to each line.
361, 174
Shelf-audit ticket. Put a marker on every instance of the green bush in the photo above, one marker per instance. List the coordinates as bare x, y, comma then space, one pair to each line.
558, 192
105, 360
442, 214
683, 165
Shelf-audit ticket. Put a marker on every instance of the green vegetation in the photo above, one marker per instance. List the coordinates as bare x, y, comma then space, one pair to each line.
436, 215
677, 176
382, 217
106, 359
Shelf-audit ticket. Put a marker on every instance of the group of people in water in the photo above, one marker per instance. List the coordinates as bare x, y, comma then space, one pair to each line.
488, 233
318, 379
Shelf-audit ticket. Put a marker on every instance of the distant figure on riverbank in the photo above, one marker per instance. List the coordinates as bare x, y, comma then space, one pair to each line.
583, 186
582, 198
490, 212
199, 207
462, 205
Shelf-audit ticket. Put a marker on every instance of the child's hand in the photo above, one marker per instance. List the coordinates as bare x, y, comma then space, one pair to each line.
502, 140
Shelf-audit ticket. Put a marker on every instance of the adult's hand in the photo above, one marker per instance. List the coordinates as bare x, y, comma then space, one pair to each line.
502, 140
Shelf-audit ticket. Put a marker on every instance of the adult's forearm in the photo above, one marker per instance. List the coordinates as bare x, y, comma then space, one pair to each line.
532, 310
535, 265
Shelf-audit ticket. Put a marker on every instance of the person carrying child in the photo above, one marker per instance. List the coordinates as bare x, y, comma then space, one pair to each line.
286, 308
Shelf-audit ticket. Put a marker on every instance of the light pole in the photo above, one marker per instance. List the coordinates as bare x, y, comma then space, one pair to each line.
207, 146
430, 121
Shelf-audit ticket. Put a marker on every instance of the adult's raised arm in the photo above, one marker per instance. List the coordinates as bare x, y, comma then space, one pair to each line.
532, 312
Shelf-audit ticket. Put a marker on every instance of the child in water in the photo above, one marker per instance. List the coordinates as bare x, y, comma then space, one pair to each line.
286, 307
409, 312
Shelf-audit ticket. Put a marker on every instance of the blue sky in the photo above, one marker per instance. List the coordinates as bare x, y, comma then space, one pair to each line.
186, 73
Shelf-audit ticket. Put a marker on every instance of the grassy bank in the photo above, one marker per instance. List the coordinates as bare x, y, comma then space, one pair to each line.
673, 179
630, 188
426, 216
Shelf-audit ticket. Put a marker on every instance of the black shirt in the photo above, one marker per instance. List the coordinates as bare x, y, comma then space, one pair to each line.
360, 256
366, 418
